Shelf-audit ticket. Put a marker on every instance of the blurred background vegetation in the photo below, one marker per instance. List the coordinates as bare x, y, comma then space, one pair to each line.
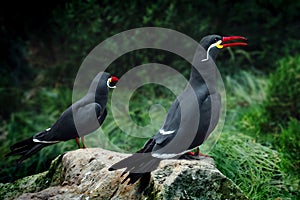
42, 47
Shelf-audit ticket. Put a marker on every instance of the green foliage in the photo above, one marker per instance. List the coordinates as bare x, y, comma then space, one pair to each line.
14, 73
245, 88
152, 113
255, 168
283, 92
9, 96
41, 107
289, 139
78, 26
289, 145
246, 99
275, 123
286, 142
245, 92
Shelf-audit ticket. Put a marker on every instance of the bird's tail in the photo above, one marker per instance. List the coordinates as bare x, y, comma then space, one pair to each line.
25, 149
139, 165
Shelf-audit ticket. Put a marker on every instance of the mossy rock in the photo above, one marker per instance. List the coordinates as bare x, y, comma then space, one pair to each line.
33, 183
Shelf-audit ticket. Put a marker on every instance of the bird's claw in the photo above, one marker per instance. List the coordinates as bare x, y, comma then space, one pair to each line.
194, 155
190, 157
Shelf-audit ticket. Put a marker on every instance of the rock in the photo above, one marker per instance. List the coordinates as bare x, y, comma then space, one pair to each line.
83, 174
192, 180
33, 183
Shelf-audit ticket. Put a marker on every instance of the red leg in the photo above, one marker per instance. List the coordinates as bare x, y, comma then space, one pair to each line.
77, 142
198, 153
82, 140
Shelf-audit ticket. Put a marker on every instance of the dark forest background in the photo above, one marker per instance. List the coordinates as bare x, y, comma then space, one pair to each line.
43, 44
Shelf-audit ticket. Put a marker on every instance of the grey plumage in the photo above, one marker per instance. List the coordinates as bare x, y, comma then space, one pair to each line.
81, 118
190, 119
190, 116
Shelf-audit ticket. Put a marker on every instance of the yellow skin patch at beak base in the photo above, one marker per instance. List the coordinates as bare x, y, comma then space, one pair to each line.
218, 44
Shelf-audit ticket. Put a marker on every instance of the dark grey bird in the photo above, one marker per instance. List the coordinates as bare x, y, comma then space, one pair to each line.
191, 118
81, 118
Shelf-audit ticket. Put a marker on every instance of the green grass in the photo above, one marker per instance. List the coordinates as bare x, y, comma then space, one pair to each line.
246, 97
253, 167
41, 107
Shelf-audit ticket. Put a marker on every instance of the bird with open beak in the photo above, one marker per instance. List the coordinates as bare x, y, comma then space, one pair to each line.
176, 125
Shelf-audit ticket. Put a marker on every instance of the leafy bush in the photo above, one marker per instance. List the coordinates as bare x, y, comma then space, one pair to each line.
283, 95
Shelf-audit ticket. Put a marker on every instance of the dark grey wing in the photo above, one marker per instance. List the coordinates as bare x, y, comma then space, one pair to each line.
181, 129
170, 126
215, 112
102, 117
76, 121
176, 124
86, 118
209, 117
62, 130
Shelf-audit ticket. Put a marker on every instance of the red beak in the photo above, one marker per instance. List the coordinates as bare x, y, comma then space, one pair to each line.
231, 38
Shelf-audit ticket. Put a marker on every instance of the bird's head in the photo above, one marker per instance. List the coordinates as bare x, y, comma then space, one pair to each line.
112, 81
214, 43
